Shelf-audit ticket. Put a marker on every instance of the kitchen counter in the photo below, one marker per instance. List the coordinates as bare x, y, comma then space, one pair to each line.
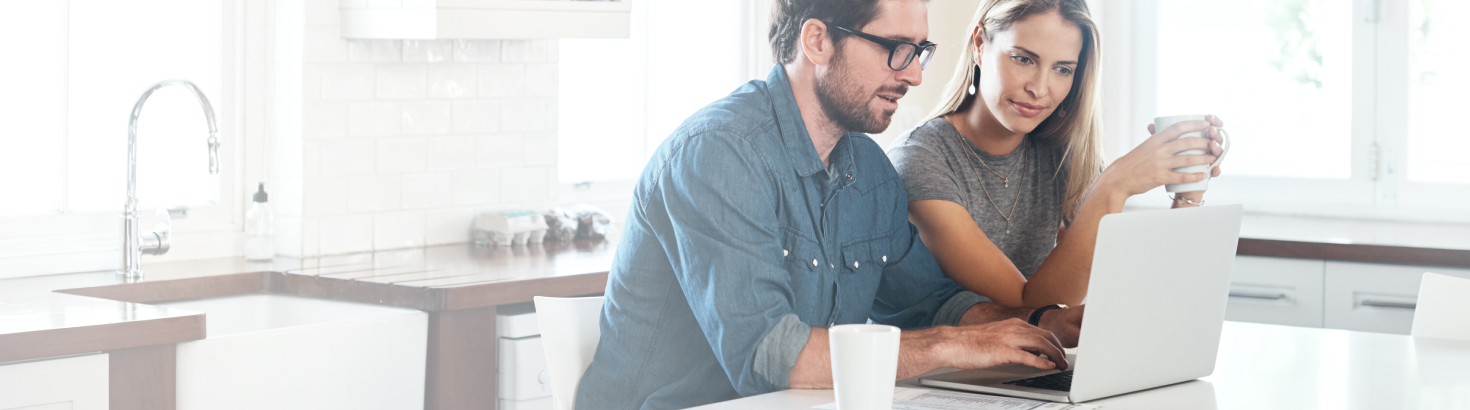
1350, 240
460, 287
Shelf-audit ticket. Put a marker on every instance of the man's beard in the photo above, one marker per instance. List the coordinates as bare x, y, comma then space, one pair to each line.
845, 103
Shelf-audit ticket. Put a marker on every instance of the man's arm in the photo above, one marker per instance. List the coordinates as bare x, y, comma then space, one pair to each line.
1066, 324
713, 208
920, 351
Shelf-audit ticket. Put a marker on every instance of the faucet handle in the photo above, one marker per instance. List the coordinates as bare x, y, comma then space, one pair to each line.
156, 242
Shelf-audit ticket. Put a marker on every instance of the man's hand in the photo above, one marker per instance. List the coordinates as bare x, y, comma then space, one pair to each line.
1066, 324
998, 343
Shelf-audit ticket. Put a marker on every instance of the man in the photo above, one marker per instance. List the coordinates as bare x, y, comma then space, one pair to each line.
766, 218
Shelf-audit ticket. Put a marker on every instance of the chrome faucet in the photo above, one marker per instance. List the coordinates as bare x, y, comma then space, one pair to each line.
135, 244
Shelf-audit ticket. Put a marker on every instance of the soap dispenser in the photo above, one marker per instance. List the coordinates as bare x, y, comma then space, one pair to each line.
259, 228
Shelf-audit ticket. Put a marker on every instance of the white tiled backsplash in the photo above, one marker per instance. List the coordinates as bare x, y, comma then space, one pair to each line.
402, 142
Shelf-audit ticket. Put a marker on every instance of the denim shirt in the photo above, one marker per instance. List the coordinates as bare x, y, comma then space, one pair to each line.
739, 241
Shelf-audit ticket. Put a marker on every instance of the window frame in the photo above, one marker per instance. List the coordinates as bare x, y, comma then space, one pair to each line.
1377, 187
615, 195
65, 241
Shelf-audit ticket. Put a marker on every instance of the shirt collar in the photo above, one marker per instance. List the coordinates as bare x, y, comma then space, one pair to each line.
793, 130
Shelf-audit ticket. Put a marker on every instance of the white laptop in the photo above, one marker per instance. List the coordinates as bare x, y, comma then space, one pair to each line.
1155, 305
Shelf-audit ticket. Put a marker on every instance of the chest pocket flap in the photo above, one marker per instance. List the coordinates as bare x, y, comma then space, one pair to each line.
869, 255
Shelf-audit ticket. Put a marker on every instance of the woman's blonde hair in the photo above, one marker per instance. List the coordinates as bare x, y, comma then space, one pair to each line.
1076, 124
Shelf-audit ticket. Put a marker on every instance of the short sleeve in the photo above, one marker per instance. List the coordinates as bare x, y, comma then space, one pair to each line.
925, 173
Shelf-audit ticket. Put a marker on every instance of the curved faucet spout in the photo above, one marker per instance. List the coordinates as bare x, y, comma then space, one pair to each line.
156, 242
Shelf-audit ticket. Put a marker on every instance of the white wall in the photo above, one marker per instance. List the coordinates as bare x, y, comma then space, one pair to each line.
387, 144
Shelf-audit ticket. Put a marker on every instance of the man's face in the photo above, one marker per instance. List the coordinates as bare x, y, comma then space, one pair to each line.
858, 91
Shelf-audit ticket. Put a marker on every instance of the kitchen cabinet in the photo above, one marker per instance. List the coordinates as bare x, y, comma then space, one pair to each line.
1375, 297
1276, 290
68, 383
486, 19
1367, 297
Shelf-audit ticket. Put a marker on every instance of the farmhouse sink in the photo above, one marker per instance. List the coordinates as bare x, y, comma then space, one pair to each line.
265, 351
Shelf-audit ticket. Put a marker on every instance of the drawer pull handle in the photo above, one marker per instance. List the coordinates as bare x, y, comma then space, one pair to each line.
1255, 295
1387, 304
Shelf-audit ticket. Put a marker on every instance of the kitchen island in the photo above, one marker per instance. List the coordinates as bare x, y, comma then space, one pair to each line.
460, 286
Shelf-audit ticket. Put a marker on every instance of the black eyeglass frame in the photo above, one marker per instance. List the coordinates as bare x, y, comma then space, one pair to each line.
892, 46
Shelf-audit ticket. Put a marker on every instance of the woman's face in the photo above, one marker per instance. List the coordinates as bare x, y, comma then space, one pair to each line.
1025, 72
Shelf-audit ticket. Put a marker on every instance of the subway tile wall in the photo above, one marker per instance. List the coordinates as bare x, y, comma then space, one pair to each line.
403, 141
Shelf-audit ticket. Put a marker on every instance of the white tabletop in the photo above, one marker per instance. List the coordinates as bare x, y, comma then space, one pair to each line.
1278, 367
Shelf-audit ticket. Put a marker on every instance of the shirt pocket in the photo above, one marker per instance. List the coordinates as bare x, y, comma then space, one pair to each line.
798, 253
861, 274
866, 257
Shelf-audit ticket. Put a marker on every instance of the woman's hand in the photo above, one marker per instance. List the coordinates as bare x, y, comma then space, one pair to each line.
1152, 163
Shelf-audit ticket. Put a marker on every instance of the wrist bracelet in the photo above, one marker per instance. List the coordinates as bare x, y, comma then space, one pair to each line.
1180, 199
1035, 318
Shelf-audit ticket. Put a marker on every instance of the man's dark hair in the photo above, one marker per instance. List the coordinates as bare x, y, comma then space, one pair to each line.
787, 17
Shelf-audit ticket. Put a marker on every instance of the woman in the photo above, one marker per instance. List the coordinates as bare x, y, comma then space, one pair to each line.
1006, 181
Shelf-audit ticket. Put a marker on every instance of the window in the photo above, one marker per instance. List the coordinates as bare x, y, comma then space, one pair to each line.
80, 67
1335, 108
619, 98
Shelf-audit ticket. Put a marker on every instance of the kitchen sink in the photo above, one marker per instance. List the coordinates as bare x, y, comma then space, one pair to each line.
266, 351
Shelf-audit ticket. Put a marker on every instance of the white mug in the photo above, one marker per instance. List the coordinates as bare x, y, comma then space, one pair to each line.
864, 365
1161, 123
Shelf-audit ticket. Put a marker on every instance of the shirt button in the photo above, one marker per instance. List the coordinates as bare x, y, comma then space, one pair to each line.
848, 176
814, 263
885, 258
831, 266
855, 264
785, 252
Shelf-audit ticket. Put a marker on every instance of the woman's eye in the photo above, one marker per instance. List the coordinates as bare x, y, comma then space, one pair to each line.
1021, 59
1064, 70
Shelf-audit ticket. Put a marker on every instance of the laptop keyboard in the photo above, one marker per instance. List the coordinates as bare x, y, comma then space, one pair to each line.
1055, 381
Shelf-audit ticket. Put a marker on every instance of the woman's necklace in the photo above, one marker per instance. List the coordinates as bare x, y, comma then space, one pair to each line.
1003, 178
971, 156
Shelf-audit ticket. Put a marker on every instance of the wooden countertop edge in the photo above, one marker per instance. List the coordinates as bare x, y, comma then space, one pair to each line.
100, 338
518, 291
202, 287
1394, 255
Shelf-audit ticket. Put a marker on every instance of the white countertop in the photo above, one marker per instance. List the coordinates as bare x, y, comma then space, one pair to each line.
1278, 367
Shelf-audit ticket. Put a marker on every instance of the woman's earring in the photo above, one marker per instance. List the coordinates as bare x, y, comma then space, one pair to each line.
1062, 113
975, 80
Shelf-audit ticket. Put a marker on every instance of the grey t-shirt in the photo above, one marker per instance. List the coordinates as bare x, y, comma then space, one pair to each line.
932, 161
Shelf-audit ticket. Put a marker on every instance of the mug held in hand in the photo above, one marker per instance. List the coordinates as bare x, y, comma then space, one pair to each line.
1161, 123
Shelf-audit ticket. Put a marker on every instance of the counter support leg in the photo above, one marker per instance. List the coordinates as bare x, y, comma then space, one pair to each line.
462, 354
143, 378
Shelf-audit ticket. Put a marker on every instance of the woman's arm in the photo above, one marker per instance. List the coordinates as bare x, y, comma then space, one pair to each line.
964, 253
1146, 167
968, 257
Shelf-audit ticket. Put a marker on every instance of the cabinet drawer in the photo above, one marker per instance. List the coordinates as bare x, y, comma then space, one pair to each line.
73, 383
523, 373
1373, 297
1276, 290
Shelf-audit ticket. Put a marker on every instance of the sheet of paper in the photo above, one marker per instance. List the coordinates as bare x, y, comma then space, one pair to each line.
906, 398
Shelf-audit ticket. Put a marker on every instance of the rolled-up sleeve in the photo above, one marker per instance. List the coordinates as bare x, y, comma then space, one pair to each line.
725, 249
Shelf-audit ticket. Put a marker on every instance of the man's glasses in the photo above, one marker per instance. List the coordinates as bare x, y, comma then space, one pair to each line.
900, 53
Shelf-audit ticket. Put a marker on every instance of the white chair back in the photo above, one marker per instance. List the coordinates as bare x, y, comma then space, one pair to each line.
569, 332
1443, 309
